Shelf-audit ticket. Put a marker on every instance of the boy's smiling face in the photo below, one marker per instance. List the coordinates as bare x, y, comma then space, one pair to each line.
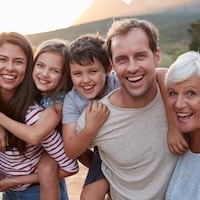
90, 79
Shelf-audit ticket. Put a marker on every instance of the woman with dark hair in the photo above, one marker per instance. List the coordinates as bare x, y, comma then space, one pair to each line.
18, 96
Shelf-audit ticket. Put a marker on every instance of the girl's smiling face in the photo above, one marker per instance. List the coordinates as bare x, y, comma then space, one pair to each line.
47, 72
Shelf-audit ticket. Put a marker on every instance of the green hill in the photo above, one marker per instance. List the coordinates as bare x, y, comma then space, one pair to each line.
174, 38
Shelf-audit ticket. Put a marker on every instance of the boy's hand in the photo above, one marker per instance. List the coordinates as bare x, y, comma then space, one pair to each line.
96, 114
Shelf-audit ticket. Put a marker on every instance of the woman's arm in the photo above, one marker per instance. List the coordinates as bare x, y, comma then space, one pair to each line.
76, 144
35, 133
3, 139
176, 142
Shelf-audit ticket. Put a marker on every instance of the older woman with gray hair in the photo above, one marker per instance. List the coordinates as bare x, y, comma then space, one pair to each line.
183, 84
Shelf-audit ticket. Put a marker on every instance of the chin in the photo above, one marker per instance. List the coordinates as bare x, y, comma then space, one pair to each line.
185, 129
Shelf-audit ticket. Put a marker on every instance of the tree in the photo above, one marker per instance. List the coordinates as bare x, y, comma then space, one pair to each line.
194, 32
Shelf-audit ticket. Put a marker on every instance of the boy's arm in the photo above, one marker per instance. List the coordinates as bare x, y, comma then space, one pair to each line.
86, 157
175, 139
36, 132
76, 144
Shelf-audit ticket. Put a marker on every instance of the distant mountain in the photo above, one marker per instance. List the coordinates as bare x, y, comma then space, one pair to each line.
172, 18
104, 9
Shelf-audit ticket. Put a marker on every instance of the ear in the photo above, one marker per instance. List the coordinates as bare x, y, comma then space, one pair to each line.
158, 56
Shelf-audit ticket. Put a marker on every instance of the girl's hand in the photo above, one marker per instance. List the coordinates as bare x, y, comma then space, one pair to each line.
6, 183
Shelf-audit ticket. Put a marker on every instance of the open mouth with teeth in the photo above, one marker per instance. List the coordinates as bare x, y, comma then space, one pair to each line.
135, 79
8, 77
43, 81
184, 116
88, 88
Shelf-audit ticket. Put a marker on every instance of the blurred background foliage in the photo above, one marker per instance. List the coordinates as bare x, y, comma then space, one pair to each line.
179, 32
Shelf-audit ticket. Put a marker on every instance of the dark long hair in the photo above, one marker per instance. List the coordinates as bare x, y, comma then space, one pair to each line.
16, 108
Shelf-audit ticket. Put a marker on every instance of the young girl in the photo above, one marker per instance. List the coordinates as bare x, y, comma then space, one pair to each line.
48, 74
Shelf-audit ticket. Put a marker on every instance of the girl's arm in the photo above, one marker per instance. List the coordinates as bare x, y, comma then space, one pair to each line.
7, 183
175, 139
76, 144
37, 132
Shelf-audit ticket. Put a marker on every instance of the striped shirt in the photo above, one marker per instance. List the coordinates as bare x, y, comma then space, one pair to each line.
14, 164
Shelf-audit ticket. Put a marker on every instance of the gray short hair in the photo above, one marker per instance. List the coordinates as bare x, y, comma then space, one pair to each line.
185, 66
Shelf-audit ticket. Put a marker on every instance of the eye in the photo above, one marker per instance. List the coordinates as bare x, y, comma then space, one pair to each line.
77, 74
172, 93
39, 65
19, 62
2, 59
141, 56
121, 60
191, 93
93, 72
56, 71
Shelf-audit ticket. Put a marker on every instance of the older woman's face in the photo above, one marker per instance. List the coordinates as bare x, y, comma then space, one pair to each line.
184, 98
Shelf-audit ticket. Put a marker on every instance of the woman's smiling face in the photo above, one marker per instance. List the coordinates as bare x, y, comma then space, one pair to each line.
13, 64
184, 99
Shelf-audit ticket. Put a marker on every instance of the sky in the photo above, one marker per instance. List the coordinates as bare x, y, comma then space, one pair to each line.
26, 17
29, 17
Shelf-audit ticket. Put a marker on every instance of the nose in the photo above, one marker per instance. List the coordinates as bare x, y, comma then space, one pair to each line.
180, 102
45, 72
9, 66
86, 78
132, 66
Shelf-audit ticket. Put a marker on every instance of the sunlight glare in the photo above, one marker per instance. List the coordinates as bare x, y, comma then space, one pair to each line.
127, 1
39, 16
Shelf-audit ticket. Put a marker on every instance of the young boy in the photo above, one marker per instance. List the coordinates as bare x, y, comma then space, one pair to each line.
89, 70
